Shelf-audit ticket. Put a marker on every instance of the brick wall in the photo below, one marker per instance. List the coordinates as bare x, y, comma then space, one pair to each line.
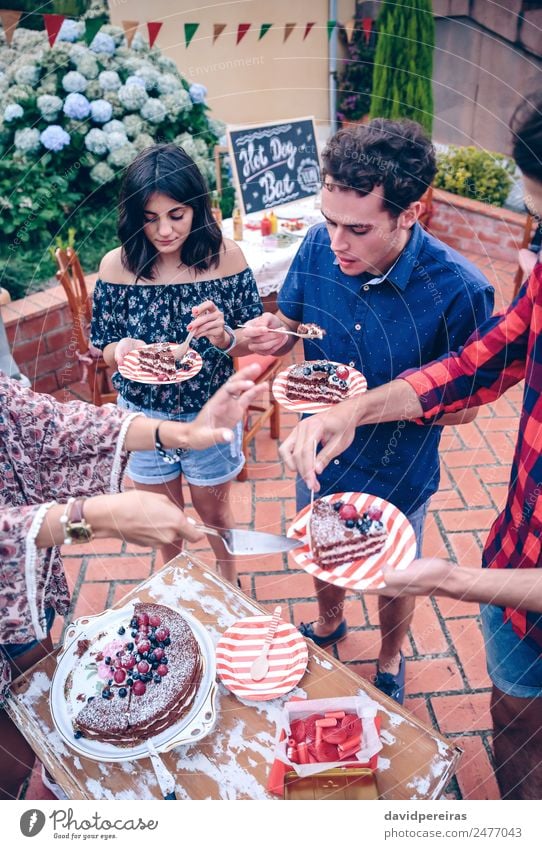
39, 327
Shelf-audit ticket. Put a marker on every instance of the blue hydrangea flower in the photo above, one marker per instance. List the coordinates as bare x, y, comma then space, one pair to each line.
96, 141
109, 80
27, 75
27, 140
101, 111
103, 43
13, 111
49, 106
113, 126
73, 81
76, 106
132, 96
135, 80
154, 110
71, 30
197, 92
116, 140
54, 137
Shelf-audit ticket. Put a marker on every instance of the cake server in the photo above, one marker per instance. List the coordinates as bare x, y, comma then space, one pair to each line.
260, 665
249, 542
165, 779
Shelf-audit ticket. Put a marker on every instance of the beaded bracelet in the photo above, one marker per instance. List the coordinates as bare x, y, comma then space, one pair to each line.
161, 451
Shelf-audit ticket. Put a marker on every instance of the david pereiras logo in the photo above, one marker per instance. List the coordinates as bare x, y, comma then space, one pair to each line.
32, 822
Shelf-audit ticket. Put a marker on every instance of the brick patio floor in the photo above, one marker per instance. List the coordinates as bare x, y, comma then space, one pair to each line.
447, 683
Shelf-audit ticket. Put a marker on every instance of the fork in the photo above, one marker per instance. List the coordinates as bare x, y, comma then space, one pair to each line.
180, 350
285, 332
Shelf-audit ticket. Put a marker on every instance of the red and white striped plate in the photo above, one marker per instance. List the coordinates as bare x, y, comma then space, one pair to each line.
366, 574
131, 369
357, 385
241, 644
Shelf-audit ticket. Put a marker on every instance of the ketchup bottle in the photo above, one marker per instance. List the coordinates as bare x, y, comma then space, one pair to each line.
265, 226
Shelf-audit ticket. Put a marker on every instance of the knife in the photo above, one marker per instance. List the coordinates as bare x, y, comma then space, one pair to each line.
249, 542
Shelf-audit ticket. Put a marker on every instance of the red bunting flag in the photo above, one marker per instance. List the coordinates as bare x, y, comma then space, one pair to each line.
130, 29
242, 30
52, 25
288, 30
154, 28
308, 29
218, 29
10, 19
367, 24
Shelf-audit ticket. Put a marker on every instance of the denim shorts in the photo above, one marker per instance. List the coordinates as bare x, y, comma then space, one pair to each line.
416, 519
208, 467
13, 650
512, 664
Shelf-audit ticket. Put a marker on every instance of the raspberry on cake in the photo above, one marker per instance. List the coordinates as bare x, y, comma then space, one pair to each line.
153, 679
311, 331
158, 360
317, 382
339, 534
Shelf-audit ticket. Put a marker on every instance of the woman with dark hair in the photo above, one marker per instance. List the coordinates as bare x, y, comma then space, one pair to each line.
176, 273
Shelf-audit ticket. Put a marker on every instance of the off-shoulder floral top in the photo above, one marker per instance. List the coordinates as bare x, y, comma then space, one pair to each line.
158, 312
48, 452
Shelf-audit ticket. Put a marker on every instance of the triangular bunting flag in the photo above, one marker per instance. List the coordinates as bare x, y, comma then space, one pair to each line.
349, 29
52, 25
308, 29
288, 30
92, 27
130, 29
218, 29
153, 28
10, 19
367, 24
189, 32
242, 30
330, 27
263, 29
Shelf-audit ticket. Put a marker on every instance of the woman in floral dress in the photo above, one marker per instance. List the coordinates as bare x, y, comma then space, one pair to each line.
175, 273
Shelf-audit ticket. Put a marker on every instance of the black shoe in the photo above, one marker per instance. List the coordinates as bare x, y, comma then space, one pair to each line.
336, 636
392, 685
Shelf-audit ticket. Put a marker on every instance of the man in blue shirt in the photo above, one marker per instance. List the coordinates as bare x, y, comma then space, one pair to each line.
390, 297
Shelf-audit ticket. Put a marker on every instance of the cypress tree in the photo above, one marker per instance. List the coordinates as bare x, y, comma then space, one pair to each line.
403, 64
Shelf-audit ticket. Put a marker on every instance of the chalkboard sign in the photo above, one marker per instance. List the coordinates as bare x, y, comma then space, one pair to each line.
275, 163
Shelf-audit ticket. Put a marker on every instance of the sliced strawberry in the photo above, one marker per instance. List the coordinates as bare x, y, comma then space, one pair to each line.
297, 730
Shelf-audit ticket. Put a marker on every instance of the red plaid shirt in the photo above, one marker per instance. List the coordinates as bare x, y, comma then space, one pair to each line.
504, 350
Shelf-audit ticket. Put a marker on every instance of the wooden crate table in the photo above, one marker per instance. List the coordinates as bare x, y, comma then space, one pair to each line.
233, 762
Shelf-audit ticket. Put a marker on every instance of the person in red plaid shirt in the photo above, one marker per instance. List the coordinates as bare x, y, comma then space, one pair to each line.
505, 349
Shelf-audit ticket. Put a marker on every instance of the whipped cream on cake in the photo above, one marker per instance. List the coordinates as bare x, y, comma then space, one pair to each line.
146, 684
319, 382
159, 361
339, 534
311, 331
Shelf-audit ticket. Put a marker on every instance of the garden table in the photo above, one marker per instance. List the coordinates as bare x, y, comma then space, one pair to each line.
234, 760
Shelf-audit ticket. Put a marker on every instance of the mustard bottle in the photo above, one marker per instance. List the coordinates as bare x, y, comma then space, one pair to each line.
274, 222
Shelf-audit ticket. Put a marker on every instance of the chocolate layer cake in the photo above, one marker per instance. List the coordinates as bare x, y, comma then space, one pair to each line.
339, 534
311, 331
158, 361
318, 381
154, 679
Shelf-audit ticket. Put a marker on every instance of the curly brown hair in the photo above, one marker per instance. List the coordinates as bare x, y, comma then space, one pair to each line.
396, 155
526, 126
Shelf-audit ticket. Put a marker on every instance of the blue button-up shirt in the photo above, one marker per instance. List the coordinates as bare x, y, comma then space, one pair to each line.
427, 305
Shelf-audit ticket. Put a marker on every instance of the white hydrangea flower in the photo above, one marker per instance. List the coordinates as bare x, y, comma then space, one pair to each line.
166, 64
116, 140
133, 79
143, 141
88, 66
121, 157
73, 81
71, 30
48, 85
27, 140
77, 51
27, 75
94, 90
49, 106
96, 142
174, 105
116, 33
133, 125
169, 84
217, 127
103, 43
109, 81
113, 126
132, 97
102, 173
139, 42
153, 111
101, 111
149, 74
19, 94
12, 112
113, 98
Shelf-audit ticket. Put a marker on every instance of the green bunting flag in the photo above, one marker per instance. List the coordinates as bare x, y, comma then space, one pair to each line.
189, 32
330, 27
263, 29
92, 27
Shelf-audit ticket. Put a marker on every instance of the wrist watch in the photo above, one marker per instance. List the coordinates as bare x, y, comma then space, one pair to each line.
233, 339
76, 527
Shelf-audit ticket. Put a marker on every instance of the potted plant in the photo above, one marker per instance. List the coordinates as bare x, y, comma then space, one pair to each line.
355, 80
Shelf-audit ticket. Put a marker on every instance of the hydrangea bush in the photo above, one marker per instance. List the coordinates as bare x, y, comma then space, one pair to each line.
72, 117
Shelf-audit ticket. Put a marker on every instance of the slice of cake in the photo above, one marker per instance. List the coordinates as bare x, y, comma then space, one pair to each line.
311, 331
148, 682
339, 534
318, 381
158, 361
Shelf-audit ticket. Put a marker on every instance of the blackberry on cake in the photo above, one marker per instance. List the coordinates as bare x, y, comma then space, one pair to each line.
339, 534
318, 381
